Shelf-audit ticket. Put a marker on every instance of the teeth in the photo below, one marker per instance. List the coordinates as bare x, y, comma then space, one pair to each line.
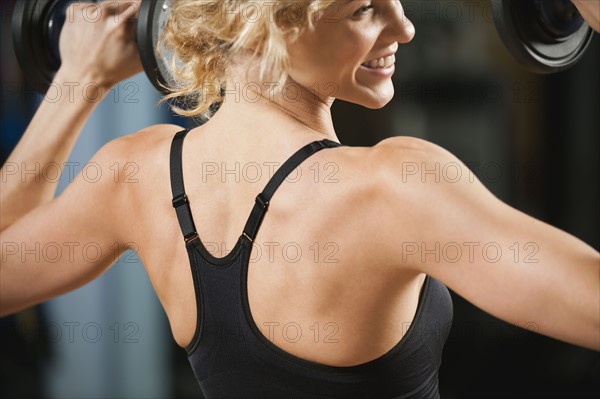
383, 62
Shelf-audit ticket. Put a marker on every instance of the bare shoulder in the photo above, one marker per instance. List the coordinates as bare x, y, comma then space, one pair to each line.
147, 138
140, 156
135, 150
417, 168
435, 217
421, 164
411, 148
421, 190
130, 163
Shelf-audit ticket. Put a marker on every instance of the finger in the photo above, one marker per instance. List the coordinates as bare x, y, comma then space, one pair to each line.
90, 12
76, 10
110, 7
133, 9
128, 9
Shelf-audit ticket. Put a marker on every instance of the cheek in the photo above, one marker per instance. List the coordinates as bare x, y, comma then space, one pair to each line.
329, 55
347, 51
329, 60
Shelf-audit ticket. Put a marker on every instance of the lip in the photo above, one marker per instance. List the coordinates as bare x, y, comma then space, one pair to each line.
382, 56
380, 72
393, 52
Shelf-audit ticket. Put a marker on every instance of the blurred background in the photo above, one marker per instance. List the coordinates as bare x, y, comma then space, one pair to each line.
532, 140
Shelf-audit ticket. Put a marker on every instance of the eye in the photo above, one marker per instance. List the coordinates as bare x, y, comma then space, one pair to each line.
363, 10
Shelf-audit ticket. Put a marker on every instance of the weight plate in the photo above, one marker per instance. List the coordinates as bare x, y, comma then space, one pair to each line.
544, 36
35, 38
152, 18
53, 23
27, 29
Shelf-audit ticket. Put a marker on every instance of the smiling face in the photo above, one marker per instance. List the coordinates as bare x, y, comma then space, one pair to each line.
349, 52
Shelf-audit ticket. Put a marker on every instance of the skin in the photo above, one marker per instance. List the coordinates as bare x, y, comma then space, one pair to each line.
590, 10
371, 292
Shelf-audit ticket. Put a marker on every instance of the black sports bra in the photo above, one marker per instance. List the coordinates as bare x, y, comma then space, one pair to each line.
231, 358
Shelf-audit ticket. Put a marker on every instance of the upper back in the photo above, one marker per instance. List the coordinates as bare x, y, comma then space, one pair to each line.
313, 263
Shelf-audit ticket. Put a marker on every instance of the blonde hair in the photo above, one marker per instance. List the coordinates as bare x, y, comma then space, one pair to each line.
205, 36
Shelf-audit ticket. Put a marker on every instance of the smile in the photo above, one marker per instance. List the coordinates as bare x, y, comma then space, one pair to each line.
383, 62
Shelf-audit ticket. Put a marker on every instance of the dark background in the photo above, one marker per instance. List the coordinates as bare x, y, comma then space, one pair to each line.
531, 139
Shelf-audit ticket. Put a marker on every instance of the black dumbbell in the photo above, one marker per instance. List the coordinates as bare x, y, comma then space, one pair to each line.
544, 36
36, 26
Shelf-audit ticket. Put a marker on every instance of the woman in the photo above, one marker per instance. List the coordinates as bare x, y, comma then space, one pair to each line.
330, 281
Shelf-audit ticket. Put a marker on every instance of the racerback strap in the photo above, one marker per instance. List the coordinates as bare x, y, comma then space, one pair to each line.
182, 205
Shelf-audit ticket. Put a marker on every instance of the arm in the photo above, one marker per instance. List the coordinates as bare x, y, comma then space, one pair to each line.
51, 246
503, 261
50, 136
69, 240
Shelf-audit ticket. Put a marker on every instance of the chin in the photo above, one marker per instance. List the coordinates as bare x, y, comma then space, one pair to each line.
374, 98
375, 102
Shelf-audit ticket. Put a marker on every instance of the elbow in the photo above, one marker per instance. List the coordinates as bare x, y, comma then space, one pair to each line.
9, 308
594, 339
12, 299
6, 310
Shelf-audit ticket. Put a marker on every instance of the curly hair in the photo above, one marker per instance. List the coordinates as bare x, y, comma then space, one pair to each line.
205, 36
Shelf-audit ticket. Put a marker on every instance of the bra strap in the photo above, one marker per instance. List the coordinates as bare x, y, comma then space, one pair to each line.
262, 199
180, 200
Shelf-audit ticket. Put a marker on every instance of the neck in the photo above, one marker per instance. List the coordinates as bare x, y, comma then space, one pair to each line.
295, 114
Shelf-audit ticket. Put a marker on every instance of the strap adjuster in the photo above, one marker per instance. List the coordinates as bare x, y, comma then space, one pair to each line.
260, 199
247, 237
179, 200
191, 237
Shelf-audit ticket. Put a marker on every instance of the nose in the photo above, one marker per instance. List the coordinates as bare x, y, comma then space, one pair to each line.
401, 26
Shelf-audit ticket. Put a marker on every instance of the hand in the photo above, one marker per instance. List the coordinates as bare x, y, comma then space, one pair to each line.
98, 43
590, 10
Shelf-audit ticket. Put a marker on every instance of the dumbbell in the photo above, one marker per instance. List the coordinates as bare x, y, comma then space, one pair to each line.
544, 36
36, 26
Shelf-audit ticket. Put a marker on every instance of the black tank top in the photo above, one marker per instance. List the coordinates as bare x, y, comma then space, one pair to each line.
230, 356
